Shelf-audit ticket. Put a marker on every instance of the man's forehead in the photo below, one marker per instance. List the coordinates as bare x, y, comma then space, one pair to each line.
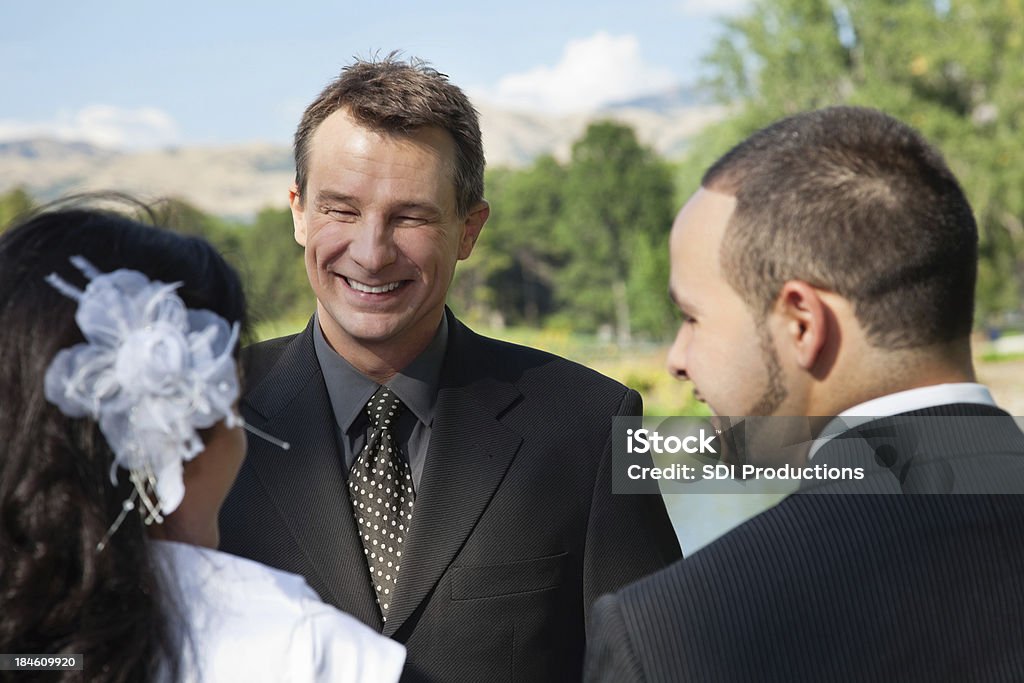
705, 215
343, 148
694, 246
343, 127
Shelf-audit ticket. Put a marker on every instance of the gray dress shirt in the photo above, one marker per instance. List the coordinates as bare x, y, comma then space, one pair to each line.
416, 385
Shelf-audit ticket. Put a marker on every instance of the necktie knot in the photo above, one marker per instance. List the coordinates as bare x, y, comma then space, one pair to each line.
383, 407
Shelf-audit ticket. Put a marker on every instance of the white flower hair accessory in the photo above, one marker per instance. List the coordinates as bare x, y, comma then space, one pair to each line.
151, 373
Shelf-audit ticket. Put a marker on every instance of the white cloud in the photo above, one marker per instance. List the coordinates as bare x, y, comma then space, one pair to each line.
101, 125
592, 72
713, 8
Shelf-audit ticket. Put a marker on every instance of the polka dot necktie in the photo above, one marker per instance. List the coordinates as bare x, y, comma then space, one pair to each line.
380, 486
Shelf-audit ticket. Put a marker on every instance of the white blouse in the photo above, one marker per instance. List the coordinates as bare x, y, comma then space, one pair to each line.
248, 622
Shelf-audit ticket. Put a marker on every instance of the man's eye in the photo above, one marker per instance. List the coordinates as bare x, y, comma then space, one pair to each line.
410, 220
341, 214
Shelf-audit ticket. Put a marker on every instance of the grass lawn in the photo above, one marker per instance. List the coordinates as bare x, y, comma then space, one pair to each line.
643, 367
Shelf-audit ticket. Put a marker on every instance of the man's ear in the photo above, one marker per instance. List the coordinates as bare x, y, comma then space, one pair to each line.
298, 214
472, 227
804, 322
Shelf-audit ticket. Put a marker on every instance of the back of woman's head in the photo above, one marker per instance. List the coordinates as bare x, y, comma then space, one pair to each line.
58, 593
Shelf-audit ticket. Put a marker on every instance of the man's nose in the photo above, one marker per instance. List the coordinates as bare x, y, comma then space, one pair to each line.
677, 354
373, 247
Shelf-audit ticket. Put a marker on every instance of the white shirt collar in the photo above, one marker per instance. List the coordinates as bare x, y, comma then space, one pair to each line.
902, 402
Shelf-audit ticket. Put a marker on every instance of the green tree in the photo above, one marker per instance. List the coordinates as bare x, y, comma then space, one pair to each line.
534, 208
181, 216
265, 254
512, 271
473, 294
13, 204
273, 268
951, 68
617, 214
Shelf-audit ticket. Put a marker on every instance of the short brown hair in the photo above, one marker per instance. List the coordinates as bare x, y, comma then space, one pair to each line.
851, 200
398, 97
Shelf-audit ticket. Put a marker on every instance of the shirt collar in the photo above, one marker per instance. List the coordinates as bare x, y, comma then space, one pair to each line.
902, 402
349, 390
418, 382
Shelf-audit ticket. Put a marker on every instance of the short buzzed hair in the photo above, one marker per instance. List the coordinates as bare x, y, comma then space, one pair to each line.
851, 200
397, 97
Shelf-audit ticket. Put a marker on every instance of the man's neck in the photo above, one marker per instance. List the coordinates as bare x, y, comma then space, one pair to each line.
876, 375
381, 362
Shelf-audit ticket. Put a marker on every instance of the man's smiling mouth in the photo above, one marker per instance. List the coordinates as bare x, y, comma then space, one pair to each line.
373, 289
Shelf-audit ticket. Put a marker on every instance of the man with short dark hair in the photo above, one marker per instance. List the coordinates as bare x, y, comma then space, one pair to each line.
826, 267
447, 489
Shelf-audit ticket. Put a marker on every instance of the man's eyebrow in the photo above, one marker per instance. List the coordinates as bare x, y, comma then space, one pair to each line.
680, 303
332, 196
418, 206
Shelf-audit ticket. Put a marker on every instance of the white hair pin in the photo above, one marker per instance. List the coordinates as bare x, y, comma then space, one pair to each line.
151, 373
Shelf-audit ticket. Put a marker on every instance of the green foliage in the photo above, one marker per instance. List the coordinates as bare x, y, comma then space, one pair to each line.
13, 204
265, 254
274, 268
617, 215
647, 286
951, 69
510, 275
995, 357
581, 246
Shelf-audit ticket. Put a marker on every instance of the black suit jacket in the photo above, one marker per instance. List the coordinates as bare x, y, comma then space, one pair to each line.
848, 587
515, 530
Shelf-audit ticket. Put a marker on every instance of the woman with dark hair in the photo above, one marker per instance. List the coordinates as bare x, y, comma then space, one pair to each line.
120, 440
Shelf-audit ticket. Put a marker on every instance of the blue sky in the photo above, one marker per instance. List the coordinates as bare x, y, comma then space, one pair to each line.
140, 74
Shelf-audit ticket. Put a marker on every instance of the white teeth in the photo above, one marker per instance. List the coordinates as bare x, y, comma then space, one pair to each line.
360, 287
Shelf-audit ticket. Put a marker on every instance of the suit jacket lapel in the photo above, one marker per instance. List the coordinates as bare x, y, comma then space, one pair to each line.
306, 484
470, 451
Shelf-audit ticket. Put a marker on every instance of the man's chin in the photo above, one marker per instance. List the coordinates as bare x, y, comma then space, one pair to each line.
366, 328
375, 330
369, 335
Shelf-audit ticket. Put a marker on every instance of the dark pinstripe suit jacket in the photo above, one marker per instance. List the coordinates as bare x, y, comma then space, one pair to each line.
846, 587
515, 530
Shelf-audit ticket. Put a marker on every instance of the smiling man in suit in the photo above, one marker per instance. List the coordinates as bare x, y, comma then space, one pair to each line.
451, 490
826, 268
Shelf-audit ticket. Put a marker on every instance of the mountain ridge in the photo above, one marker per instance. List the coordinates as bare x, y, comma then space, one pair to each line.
239, 180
